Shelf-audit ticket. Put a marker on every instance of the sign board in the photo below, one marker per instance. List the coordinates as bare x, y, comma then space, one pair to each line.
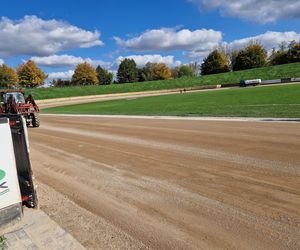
9, 184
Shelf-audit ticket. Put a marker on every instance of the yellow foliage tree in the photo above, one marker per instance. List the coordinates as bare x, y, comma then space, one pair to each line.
252, 56
85, 74
162, 72
30, 75
216, 62
8, 77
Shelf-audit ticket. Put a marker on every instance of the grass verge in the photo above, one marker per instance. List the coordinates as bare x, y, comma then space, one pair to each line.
266, 73
275, 101
2, 242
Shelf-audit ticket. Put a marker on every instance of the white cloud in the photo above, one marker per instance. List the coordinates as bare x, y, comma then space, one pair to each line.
167, 39
37, 37
262, 11
62, 75
141, 60
66, 61
269, 39
1, 61
198, 54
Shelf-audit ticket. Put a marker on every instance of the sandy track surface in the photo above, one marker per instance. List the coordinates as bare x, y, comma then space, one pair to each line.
118, 183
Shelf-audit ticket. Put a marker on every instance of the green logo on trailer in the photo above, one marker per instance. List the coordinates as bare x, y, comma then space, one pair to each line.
3, 187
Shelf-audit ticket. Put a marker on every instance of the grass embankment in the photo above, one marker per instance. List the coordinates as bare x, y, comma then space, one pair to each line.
272, 72
274, 101
2, 242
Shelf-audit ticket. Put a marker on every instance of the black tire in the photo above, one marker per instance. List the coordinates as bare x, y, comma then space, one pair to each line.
36, 120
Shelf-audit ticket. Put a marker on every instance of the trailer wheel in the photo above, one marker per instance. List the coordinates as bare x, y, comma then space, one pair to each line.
35, 120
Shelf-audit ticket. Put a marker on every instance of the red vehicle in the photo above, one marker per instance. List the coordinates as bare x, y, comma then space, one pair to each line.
14, 102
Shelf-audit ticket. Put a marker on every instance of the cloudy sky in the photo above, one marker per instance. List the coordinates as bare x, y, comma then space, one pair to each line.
57, 35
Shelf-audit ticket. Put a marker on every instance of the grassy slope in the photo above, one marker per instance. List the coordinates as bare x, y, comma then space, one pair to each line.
275, 101
272, 72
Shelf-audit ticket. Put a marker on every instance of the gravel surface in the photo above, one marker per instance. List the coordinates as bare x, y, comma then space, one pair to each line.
117, 183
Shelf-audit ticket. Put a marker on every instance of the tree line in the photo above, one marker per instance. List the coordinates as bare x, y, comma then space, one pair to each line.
222, 59
129, 72
26, 75
29, 75
252, 56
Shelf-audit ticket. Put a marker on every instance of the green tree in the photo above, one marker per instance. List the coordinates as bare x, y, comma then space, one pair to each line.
175, 72
104, 76
185, 70
84, 74
147, 72
8, 77
293, 53
30, 75
128, 71
141, 75
233, 57
162, 72
253, 56
216, 62
286, 54
278, 57
181, 71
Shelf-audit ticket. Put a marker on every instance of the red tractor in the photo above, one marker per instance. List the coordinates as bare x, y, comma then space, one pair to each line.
14, 102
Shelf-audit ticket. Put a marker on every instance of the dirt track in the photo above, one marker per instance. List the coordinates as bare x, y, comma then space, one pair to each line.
168, 184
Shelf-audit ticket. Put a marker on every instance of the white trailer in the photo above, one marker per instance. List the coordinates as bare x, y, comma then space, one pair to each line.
253, 82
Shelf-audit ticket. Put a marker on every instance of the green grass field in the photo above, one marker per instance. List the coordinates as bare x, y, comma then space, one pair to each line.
274, 101
272, 72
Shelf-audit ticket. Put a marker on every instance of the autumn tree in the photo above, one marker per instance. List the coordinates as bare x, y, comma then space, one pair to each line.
161, 72
104, 76
30, 75
128, 71
84, 74
229, 52
252, 56
287, 53
8, 77
216, 62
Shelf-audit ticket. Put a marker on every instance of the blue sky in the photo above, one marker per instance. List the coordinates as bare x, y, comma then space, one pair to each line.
59, 34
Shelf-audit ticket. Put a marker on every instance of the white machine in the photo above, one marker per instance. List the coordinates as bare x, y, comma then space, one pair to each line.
253, 82
10, 195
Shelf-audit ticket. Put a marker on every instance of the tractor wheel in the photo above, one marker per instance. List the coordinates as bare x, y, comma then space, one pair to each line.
35, 120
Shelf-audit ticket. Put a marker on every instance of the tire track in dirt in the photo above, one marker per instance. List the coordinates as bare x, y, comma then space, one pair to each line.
161, 195
198, 152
